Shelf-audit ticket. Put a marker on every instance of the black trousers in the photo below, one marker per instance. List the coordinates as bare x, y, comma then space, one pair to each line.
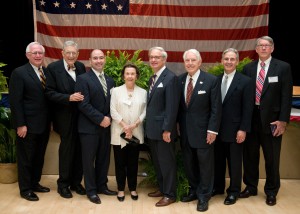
30, 157
232, 153
70, 159
126, 166
271, 147
164, 160
95, 158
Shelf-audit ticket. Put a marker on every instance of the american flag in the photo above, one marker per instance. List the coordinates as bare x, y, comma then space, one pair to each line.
210, 26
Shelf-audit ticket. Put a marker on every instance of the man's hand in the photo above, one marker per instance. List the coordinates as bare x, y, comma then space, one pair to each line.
105, 122
77, 96
22, 131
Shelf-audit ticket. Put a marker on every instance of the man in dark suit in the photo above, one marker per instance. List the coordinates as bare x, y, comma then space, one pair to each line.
236, 121
30, 118
60, 91
94, 126
199, 119
272, 79
162, 106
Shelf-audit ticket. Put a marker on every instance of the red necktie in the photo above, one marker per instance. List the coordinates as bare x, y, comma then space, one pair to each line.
260, 83
189, 91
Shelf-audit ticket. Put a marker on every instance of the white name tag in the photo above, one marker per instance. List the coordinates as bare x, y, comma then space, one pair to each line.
273, 79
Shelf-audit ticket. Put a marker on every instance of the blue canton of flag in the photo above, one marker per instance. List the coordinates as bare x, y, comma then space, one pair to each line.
113, 7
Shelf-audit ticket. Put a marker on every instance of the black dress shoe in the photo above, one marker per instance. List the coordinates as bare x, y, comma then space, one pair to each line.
246, 194
65, 192
230, 199
188, 198
121, 198
40, 188
107, 192
134, 197
216, 192
79, 189
202, 206
271, 200
30, 196
94, 199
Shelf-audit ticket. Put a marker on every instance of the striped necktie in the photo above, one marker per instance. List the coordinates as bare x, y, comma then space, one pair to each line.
260, 83
103, 83
152, 82
42, 77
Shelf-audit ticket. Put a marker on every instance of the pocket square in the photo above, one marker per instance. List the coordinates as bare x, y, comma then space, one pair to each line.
201, 92
160, 85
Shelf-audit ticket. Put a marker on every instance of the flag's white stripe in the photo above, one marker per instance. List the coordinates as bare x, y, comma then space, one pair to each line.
145, 44
177, 68
152, 21
202, 2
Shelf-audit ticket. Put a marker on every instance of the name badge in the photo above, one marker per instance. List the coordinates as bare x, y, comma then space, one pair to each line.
273, 79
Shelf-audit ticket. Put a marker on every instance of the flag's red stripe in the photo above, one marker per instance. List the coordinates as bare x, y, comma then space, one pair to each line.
173, 56
198, 11
151, 33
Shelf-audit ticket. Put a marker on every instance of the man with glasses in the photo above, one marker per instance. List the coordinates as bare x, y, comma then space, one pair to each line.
30, 117
60, 90
161, 115
272, 83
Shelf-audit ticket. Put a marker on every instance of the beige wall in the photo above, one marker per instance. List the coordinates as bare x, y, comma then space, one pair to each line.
289, 168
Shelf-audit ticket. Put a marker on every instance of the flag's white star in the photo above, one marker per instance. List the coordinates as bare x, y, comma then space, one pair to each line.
42, 3
120, 7
104, 6
56, 4
88, 6
73, 5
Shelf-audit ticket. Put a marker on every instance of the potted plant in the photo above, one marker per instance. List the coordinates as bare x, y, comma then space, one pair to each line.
8, 165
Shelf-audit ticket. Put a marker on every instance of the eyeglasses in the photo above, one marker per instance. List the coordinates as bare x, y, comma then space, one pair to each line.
71, 53
155, 57
264, 46
36, 53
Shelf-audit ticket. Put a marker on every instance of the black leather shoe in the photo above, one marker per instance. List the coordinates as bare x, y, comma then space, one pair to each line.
65, 192
188, 198
94, 199
134, 197
30, 196
246, 194
202, 206
107, 192
121, 198
230, 199
79, 189
271, 200
40, 188
216, 192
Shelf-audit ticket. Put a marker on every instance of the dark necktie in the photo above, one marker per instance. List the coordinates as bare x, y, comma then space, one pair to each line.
71, 67
42, 77
152, 83
260, 83
103, 83
189, 91
224, 86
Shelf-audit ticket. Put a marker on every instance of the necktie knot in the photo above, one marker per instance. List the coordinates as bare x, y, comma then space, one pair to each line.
262, 64
71, 67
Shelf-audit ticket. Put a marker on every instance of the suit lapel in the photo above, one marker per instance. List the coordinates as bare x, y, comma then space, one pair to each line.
270, 73
233, 85
34, 76
158, 81
198, 86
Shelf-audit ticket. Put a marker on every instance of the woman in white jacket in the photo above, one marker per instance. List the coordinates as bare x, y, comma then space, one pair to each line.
128, 110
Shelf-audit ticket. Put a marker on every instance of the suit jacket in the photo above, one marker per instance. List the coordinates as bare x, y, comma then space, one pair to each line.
276, 97
59, 86
204, 110
129, 112
95, 104
28, 104
162, 106
237, 107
